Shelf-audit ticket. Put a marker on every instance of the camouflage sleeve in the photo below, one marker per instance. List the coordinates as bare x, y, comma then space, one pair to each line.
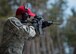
23, 29
15, 22
17, 27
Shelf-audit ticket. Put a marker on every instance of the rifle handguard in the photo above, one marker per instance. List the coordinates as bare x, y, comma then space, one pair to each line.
46, 24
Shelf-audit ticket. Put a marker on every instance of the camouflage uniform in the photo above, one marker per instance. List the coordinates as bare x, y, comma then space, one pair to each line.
14, 36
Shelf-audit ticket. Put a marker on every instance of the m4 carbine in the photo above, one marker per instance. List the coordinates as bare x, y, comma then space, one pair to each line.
39, 23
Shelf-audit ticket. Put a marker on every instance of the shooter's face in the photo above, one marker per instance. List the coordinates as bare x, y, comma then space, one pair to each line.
30, 18
25, 16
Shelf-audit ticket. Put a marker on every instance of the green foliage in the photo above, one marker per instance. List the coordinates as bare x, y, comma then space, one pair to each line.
4, 8
37, 3
56, 14
70, 30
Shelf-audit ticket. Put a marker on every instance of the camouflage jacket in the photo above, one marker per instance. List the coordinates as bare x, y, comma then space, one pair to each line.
14, 34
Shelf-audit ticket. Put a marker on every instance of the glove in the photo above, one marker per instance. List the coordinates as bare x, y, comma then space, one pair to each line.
38, 17
30, 30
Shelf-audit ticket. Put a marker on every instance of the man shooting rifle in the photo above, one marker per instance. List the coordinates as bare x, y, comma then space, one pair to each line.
16, 31
39, 23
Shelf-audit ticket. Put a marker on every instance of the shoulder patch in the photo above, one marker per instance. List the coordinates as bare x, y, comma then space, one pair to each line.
15, 21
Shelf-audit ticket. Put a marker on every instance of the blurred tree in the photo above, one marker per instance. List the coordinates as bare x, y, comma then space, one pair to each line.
4, 8
74, 12
70, 30
37, 3
57, 14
